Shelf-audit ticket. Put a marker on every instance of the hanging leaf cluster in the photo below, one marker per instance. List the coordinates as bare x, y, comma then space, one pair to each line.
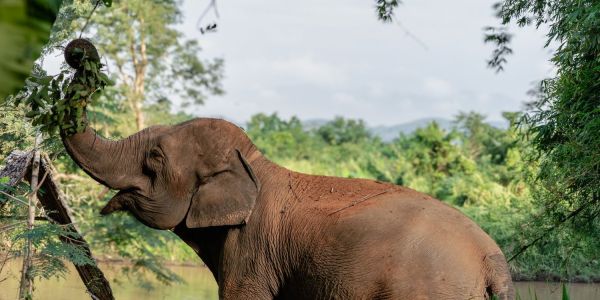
58, 102
385, 9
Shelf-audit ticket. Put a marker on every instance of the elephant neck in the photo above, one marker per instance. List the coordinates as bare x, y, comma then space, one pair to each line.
208, 243
271, 175
218, 246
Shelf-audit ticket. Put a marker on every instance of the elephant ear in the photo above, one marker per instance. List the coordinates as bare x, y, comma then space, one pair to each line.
226, 198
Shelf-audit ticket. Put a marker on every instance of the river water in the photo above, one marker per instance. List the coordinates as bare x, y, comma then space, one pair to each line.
201, 285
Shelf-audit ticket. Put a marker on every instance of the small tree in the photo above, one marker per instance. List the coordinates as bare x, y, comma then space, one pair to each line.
153, 60
341, 131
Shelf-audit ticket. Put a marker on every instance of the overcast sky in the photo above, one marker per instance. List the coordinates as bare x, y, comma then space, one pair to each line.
320, 59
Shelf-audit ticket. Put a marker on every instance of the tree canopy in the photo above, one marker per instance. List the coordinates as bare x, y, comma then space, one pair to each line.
25, 27
152, 58
564, 119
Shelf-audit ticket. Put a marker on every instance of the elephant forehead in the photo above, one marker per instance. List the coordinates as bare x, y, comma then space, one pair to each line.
179, 148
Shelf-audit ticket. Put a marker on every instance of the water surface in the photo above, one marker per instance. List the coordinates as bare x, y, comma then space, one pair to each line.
201, 285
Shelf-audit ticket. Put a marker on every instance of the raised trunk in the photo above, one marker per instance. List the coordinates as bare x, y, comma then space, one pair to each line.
116, 164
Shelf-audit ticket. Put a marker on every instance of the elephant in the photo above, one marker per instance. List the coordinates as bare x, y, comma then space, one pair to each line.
266, 232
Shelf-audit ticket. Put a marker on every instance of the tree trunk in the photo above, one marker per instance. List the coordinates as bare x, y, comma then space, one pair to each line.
57, 211
55, 206
26, 287
140, 65
139, 114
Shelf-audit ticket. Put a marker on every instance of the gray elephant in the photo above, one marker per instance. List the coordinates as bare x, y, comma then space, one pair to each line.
267, 232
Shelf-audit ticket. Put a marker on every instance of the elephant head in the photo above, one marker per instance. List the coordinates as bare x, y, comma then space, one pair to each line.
195, 171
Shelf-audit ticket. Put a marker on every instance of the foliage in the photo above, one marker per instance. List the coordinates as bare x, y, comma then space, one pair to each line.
51, 253
43, 99
15, 132
341, 131
280, 137
385, 9
148, 28
501, 38
150, 56
25, 26
58, 102
564, 119
152, 61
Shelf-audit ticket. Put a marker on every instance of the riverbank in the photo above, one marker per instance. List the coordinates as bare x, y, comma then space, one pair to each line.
168, 263
517, 277
198, 283
554, 278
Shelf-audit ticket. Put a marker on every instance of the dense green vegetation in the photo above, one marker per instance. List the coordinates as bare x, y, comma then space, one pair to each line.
148, 51
482, 170
564, 118
25, 27
532, 186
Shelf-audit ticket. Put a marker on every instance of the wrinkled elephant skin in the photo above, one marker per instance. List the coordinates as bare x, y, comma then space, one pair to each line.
267, 232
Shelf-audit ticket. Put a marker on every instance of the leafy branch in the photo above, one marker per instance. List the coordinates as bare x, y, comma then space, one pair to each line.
385, 9
501, 38
58, 102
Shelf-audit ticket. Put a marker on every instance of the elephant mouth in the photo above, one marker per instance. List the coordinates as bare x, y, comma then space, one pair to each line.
123, 200
155, 213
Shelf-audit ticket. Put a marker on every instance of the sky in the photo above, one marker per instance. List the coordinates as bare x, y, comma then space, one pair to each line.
318, 59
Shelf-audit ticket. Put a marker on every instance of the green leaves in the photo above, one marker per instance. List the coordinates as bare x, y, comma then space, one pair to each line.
501, 38
340, 131
25, 27
385, 9
107, 3
57, 102
563, 119
51, 252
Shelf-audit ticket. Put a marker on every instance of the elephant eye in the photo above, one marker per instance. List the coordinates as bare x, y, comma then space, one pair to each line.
154, 161
156, 155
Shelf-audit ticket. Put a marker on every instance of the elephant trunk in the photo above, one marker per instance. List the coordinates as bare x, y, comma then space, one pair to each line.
115, 164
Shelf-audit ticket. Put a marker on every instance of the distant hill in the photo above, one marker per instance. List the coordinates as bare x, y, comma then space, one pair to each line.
388, 133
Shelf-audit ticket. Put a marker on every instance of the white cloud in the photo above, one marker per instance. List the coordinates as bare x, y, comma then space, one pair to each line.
344, 98
308, 70
267, 93
438, 87
376, 89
